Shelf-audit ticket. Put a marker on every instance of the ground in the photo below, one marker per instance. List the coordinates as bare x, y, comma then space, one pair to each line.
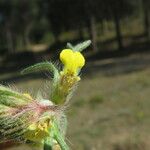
110, 109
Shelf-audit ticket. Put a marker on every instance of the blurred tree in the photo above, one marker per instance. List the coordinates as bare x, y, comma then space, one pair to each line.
92, 10
17, 20
70, 14
118, 10
27, 21
55, 12
27, 14
7, 12
146, 11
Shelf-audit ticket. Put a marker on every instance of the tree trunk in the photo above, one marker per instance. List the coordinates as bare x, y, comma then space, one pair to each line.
93, 32
80, 32
9, 38
26, 35
118, 30
146, 19
56, 37
26, 40
102, 27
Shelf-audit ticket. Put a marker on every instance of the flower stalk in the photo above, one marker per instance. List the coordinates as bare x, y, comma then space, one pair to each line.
24, 118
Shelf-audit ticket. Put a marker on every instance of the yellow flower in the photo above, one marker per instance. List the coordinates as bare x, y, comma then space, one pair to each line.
73, 61
37, 131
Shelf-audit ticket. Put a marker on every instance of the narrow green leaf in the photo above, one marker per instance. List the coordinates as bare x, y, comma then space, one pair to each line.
70, 46
44, 66
81, 46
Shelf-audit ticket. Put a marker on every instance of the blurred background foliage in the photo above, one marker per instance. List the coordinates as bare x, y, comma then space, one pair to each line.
113, 97
28, 22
